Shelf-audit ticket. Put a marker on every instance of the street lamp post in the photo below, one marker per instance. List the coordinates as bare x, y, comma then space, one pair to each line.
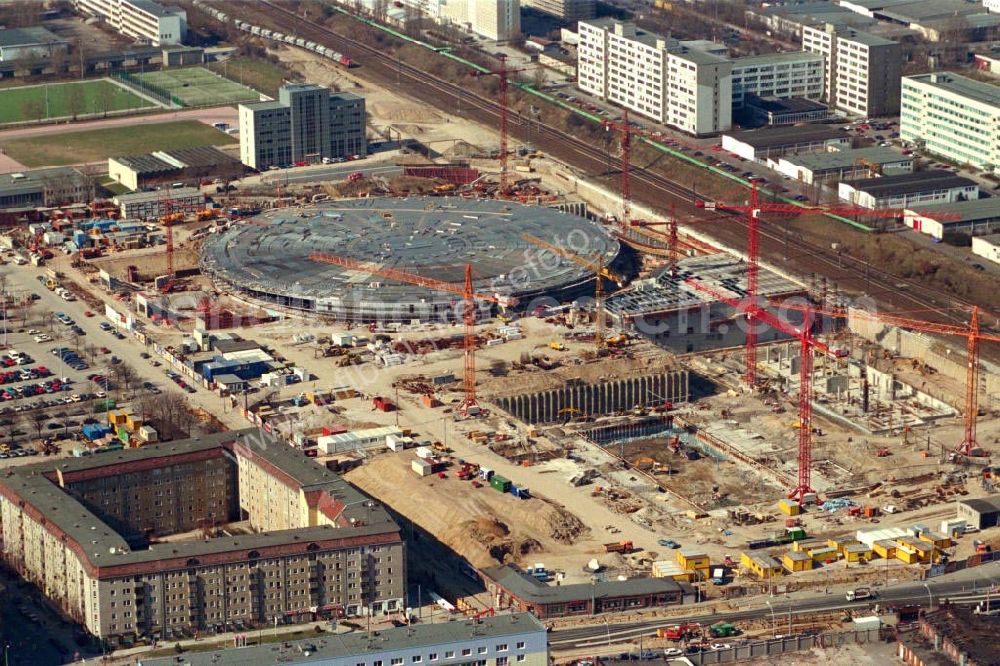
930, 597
774, 625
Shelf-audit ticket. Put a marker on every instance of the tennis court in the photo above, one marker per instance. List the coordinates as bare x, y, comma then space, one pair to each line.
197, 86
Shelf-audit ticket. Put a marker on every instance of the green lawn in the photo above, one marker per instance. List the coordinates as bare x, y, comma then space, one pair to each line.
259, 74
95, 145
197, 86
60, 100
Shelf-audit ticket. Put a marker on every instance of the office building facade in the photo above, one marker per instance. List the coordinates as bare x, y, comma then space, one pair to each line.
86, 532
778, 75
863, 71
306, 124
568, 10
143, 20
953, 117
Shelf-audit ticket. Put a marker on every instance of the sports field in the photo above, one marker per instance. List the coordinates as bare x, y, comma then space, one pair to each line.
65, 100
95, 145
197, 86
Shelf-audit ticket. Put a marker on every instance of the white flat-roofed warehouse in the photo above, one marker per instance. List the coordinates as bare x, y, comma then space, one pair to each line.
758, 145
987, 247
840, 164
978, 216
922, 187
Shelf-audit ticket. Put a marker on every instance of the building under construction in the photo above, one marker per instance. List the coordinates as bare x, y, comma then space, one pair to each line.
673, 312
276, 257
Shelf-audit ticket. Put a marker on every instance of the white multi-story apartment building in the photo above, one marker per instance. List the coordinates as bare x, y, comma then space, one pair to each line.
862, 70
499, 20
781, 75
992, 6
654, 76
952, 116
143, 20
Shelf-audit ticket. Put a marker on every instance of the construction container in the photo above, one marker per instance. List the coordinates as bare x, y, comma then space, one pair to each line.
788, 507
795, 533
429, 401
422, 467
117, 418
148, 434
520, 492
448, 378
425, 452
500, 484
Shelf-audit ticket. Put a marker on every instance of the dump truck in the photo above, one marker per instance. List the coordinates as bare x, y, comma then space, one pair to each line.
859, 593
618, 547
558, 346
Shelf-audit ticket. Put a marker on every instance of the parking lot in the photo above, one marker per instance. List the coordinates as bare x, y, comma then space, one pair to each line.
58, 370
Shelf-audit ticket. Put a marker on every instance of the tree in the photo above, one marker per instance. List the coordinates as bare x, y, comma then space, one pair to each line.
76, 103
105, 98
38, 419
125, 373
90, 350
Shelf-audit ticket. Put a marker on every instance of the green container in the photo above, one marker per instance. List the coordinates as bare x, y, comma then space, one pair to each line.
500, 484
104, 405
123, 434
796, 533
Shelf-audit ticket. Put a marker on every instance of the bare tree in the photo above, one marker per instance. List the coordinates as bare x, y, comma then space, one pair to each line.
38, 419
76, 103
106, 98
90, 350
125, 374
75, 337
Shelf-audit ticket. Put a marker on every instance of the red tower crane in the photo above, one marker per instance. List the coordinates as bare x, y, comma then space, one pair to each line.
807, 345
470, 405
627, 131
168, 219
753, 208
672, 242
970, 332
502, 73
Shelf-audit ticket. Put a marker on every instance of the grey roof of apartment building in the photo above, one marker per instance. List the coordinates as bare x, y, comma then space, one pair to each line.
973, 210
841, 159
361, 643
154, 8
264, 106
698, 57
106, 547
979, 91
788, 136
910, 183
860, 37
14, 37
529, 588
772, 58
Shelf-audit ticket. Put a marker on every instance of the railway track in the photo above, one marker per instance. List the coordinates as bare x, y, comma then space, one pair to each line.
844, 270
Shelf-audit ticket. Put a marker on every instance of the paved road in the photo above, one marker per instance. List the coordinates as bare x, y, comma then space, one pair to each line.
327, 172
961, 585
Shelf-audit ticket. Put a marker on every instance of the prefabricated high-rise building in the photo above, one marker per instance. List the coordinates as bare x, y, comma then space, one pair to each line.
305, 124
